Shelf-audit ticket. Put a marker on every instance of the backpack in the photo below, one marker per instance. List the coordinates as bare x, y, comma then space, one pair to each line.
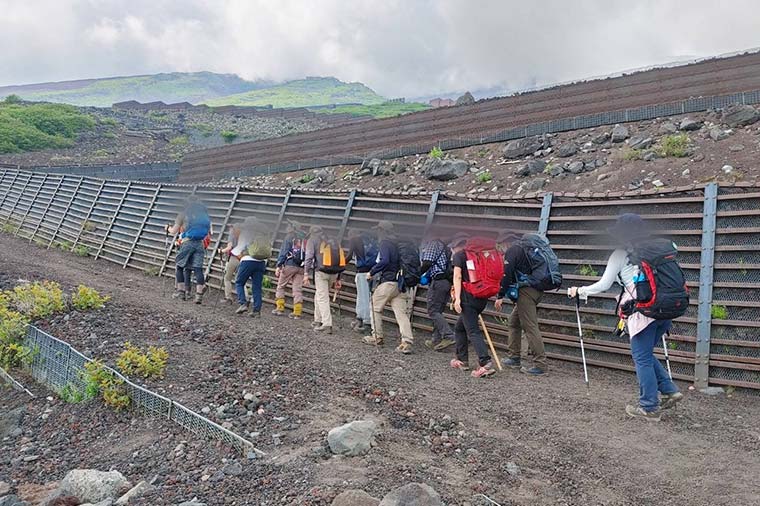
331, 257
297, 251
409, 265
661, 291
260, 247
198, 222
545, 273
445, 253
485, 268
371, 249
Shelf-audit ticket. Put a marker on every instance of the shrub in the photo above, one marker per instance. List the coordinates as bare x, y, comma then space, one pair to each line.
148, 365
37, 300
267, 283
12, 327
30, 127
82, 251
64, 245
100, 379
674, 145
632, 154
89, 226
306, 178
74, 395
10, 227
436, 152
485, 177
718, 312
151, 271
180, 140
587, 270
87, 298
13, 99
228, 135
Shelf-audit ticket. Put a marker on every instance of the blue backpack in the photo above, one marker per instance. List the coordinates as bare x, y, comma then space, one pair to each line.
198, 222
371, 250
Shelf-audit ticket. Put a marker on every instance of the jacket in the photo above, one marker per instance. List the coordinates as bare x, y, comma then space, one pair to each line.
387, 265
287, 252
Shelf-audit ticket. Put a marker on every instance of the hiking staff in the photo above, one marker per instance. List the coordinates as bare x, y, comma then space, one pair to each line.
168, 246
580, 336
665, 349
490, 342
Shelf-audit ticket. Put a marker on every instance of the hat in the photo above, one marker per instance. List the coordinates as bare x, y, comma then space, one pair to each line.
315, 229
250, 223
629, 226
384, 225
458, 239
507, 236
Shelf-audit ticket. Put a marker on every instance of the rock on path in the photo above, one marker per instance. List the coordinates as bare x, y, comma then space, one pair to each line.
413, 494
352, 438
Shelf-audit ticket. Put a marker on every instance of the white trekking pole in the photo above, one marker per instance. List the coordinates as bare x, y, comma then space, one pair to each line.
667, 358
580, 336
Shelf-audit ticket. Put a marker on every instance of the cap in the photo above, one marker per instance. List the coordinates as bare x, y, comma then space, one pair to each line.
629, 226
458, 239
384, 225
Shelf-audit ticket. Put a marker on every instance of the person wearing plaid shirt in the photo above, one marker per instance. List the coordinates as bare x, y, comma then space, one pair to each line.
436, 262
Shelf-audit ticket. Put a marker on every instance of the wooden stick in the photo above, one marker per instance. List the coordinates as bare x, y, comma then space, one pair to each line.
490, 343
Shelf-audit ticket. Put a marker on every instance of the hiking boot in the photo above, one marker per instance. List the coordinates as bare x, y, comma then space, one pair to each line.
297, 309
357, 322
429, 343
324, 329
179, 294
483, 371
226, 301
638, 412
277, 312
670, 400
375, 341
255, 313
199, 297
458, 364
405, 348
533, 371
279, 307
512, 363
359, 327
443, 344
294, 316
242, 308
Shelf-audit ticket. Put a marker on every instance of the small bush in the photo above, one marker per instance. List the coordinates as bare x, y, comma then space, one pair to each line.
89, 226
87, 298
267, 283
133, 361
587, 270
100, 379
37, 300
180, 140
10, 227
674, 145
64, 245
12, 328
436, 152
13, 99
485, 177
74, 395
151, 271
228, 135
306, 178
632, 154
82, 251
718, 312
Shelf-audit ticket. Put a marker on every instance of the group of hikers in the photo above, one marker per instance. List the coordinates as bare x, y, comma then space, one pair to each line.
460, 271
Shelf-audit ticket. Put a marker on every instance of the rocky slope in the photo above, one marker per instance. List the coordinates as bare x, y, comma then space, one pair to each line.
720, 145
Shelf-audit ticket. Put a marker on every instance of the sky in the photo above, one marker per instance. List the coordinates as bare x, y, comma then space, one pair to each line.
400, 48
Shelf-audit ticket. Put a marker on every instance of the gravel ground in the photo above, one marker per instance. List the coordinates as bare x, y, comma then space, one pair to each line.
518, 440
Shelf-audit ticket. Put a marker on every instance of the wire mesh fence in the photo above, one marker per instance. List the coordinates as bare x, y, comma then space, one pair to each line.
58, 365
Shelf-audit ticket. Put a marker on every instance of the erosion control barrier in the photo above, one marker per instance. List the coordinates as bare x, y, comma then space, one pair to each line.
716, 227
649, 94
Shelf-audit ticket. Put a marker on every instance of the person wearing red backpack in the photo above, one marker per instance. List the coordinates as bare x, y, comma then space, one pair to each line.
647, 322
524, 317
478, 268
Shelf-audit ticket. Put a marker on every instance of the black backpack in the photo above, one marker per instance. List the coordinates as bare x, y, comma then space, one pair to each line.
409, 265
661, 291
545, 273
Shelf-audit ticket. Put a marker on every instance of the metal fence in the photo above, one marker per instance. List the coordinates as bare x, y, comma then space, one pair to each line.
58, 365
717, 229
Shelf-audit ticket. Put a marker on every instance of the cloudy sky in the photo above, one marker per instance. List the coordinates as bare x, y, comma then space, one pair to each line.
398, 47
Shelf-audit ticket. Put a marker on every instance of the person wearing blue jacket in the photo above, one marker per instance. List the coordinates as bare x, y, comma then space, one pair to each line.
289, 270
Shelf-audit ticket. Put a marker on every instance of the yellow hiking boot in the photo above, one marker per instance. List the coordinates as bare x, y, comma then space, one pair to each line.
297, 310
279, 307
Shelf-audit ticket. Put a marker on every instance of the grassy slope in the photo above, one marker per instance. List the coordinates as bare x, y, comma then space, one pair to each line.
304, 93
25, 127
377, 110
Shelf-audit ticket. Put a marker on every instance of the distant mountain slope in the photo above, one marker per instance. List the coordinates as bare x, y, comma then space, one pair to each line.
312, 91
194, 87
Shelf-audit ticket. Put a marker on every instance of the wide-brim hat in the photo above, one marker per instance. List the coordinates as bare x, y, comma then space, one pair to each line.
629, 226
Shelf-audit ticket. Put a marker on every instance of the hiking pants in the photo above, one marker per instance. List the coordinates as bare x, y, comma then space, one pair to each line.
438, 295
385, 293
253, 270
322, 284
468, 328
524, 318
651, 374
230, 271
293, 275
362, 298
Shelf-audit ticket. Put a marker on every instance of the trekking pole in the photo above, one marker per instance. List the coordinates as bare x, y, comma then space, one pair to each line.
665, 349
167, 245
580, 336
490, 343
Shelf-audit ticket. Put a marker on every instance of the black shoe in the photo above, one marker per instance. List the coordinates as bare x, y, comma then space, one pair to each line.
255, 313
179, 294
533, 371
242, 308
670, 400
512, 363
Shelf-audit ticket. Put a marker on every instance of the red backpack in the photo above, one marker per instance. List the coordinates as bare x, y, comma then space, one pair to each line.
485, 268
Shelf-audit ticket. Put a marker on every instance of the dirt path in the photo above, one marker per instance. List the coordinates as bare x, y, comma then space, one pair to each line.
460, 435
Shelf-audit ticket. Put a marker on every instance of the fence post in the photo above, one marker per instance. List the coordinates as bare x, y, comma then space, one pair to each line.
31, 204
221, 232
546, 209
148, 210
431, 208
65, 211
707, 260
113, 219
89, 213
346, 215
47, 207
10, 185
282, 214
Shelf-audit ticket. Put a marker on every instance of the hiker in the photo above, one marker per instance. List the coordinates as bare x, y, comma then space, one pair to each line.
193, 230
388, 277
520, 287
629, 266
289, 270
363, 247
231, 265
253, 249
327, 260
473, 258
436, 264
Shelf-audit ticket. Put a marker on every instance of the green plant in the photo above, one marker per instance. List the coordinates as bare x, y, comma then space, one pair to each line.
13, 99
180, 140
89, 226
267, 283
672, 345
742, 269
718, 312
100, 379
30, 127
12, 327
10, 227
485, 177
674, 145
228, 135
148, 365
632, 154
306, 178
87, 298
151, 271
82, 251
64, 245
73, 395
587, 270
40, 243
37, 300
436, 152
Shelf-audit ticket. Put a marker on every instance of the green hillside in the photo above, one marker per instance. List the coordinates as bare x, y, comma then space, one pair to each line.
307, 92
386, 110
195, 87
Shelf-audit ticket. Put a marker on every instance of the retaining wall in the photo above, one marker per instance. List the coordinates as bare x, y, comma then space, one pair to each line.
158, 172
717, 229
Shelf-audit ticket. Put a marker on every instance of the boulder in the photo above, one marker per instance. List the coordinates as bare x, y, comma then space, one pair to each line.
712, 391
531, 168
650, 156
640, 142
534, 185
4, 488
355, 498
133, 493
668, 128
324, 177
522, 147
465, 99
11, 500
445, 170
567, 149
413, 494
575, 167
689, 125
619, 133
739, 115
601, 138
556, 170
91, 485
718, 134
10, 422
352, 438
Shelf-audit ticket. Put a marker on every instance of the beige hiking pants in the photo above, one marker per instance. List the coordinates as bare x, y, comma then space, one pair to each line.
322, 284
230, 272
388, 293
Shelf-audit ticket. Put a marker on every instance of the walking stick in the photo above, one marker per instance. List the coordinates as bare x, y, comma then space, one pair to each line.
490, 343
167, 245
580, 336
665, 349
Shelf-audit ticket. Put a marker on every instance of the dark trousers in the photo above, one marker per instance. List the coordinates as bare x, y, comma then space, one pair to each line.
524, 318
652, 375
468, 328
253, 270
438, 295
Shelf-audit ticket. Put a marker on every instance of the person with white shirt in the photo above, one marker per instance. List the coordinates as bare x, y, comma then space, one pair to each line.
249, 268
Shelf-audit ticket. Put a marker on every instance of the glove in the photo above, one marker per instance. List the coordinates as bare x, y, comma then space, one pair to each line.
513, 293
